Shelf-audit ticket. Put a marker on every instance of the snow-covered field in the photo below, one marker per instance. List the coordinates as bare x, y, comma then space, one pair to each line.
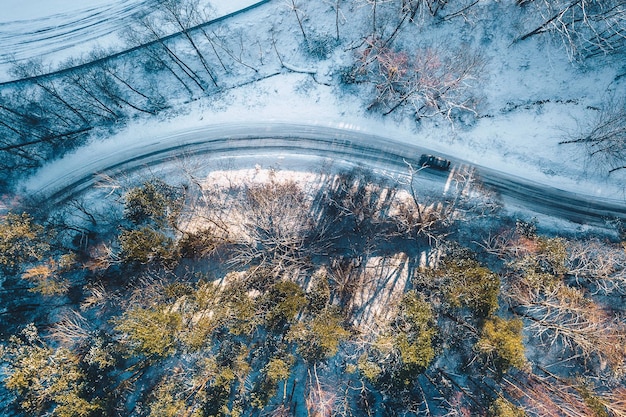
532, 97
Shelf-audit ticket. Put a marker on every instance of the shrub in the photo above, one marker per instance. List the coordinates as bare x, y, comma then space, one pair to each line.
319, 296
277, 370
46, 279
151, 332
164, 402
319, 337
154, 201
146, 245
398, 355
501, 342
503, 408
198, 244
414, 333
552, 255
369, 369
593, 401
472, 285
283, 302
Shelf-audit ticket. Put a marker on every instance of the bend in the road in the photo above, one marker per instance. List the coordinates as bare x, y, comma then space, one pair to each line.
304, 139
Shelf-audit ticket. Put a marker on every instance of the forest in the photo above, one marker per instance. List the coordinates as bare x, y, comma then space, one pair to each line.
268, 293
199, 291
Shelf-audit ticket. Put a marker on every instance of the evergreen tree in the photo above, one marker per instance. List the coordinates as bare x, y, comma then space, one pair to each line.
146, 245
318, 338
154, 201
152, 332
47, 381
501, 342
21, 240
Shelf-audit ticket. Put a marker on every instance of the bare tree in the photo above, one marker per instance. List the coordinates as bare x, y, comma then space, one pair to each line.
276, 224
149, 30
224, 41
295, 8
561, 316
111, 83
154, 60
599, 264
605, 137
267, 224
92, 101
52, 88
431, 81
350, 196
26, 136
418, 9
183, 15
546, 395
375, 6
514, 243
73, 329
586, 27
338, 17
417, 216
413, 7
140, 90
319, 400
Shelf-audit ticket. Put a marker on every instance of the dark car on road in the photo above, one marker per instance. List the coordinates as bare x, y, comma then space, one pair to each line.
436, 162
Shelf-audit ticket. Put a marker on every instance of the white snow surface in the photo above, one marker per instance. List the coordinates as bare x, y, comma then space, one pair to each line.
533, 97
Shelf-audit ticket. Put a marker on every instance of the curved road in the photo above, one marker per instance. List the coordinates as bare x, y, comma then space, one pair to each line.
255, 140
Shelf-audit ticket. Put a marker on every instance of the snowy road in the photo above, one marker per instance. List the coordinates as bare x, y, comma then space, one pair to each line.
256, 140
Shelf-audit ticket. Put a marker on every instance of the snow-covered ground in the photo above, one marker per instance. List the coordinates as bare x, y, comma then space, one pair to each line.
533, 97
